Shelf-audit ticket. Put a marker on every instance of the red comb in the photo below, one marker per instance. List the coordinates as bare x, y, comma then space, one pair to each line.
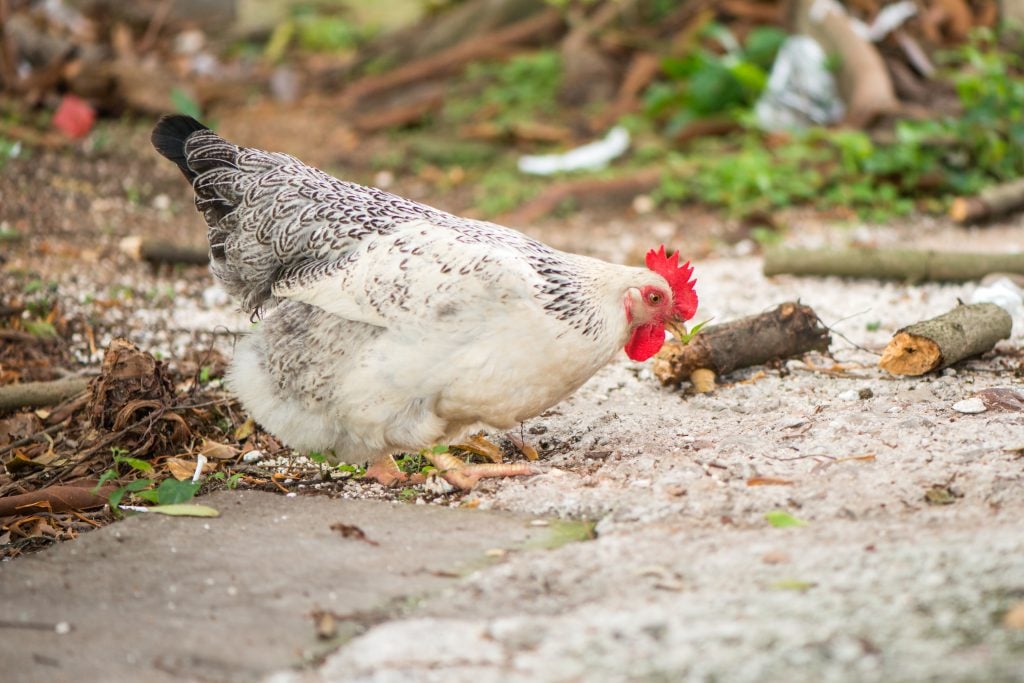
678, 277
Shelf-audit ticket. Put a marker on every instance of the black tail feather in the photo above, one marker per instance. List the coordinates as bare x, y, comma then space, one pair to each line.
169, 136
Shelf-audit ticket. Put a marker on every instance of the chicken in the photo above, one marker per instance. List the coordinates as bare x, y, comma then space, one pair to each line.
395, 326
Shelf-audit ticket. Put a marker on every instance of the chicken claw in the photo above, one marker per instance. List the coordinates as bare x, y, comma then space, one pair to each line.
464, 476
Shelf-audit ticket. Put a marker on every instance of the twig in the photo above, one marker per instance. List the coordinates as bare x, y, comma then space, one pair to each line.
989, 203
453, 58
159, 251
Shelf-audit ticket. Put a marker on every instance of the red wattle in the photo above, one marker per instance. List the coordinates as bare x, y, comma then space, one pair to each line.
645, 341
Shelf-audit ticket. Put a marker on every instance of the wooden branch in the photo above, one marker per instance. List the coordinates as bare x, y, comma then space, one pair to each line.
453, 58
791, 329
15, 396
989, 203
967, 330
55, 499
890, 264
156, 251
638, 183
403, 113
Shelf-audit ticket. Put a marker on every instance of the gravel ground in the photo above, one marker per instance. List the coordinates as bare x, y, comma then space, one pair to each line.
686, 580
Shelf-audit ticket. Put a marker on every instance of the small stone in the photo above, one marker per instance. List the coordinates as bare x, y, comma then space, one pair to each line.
539, 522
970, 406
643, 203
62, 628
849, 395
865, 393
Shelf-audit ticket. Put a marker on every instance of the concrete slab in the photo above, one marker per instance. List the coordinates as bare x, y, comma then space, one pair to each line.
159, 598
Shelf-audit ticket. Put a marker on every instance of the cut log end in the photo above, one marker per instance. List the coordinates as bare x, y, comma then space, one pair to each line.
909, 354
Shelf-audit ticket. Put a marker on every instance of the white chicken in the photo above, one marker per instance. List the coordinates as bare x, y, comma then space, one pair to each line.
397, 326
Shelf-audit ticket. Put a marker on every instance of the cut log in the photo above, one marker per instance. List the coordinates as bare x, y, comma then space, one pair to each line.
890, 264
789, 330
989, 203
15, 396
967, 330
156, 251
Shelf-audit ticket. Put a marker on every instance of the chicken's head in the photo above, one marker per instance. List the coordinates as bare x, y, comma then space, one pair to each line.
652, 307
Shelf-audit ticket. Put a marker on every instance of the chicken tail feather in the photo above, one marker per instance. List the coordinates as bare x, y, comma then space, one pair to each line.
169, 138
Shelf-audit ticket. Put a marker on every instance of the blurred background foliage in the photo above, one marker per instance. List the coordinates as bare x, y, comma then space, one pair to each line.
442, 98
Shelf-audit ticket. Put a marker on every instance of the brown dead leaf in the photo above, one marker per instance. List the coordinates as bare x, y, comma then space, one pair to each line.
217, 451
479, 445
526, 449
18, 426
245, 429
182, 469
769, 481
352, 531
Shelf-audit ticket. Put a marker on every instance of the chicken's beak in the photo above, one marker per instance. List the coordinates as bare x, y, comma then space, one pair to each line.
678, 329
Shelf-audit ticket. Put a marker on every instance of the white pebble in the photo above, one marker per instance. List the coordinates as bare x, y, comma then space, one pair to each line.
970, 406
849, 395
252, 456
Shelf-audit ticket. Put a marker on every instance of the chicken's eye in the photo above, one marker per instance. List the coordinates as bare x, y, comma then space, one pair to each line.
654, 298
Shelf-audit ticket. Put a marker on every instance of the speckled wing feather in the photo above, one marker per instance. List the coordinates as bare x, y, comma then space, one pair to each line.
281, 229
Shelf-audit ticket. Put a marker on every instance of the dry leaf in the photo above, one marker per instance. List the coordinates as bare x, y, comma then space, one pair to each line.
352, 531
218, 451
245, 429
481, 446
1002, 398
182, 469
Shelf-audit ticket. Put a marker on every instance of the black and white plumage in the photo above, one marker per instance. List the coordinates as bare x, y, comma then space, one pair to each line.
396, 326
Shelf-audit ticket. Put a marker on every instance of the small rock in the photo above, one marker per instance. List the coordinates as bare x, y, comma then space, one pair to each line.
865, 393
849, 395
643, 203
775, 557
970, 406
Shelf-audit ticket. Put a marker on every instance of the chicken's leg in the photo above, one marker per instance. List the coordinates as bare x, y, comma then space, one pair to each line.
464, 476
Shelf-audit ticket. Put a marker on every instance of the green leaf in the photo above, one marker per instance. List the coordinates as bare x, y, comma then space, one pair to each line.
134, 463
104, 478
440, 448
172, 491
780, 519
132, 487
191, 510
762, 45
793, 585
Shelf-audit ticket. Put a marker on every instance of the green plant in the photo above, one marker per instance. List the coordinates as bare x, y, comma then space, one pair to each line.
521, 88
703, 82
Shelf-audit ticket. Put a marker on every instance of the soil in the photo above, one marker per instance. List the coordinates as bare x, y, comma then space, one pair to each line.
908, 559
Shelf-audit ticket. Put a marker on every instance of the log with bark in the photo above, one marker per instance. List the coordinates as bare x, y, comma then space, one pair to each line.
966, 331
890, 264
158, 251
791, 329
989, 203
35, 394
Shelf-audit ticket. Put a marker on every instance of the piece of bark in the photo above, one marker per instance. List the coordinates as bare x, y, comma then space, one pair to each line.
791, 329
156, 251
967, 330
989, 203
626, 187
15, 396
890, 264
55, 499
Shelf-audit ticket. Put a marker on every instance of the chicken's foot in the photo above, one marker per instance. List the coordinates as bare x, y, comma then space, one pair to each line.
465, 476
